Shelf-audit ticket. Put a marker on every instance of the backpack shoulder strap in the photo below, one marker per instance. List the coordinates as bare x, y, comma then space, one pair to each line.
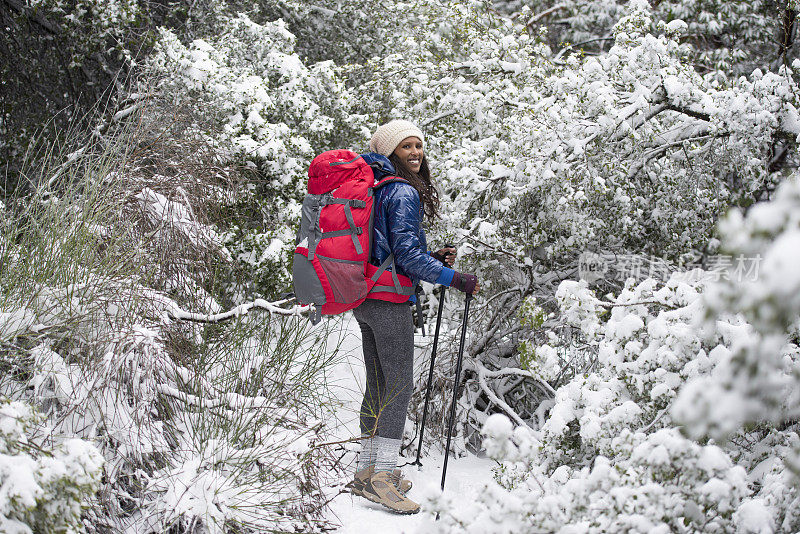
389, 180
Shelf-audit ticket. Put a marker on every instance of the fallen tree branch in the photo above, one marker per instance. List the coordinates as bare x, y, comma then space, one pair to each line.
480, 372
238, 311
514, 371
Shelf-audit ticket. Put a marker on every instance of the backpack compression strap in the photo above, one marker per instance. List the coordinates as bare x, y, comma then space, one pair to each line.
354, 230
397, 287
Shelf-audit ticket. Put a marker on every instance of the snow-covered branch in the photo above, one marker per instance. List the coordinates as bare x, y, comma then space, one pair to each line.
482, 373
546, 13
513, 371
71, 158
239, 311
438, 117
566, 49
652, 153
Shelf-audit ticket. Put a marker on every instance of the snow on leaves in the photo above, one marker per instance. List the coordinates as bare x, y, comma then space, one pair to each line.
759, 377
609, 457
45, 488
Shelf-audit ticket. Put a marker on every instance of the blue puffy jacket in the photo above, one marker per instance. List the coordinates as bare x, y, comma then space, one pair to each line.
397, 227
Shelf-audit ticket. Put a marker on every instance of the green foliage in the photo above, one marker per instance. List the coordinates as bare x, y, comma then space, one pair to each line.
532, 315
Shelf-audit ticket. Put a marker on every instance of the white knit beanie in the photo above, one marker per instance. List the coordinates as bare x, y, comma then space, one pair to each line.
388, 136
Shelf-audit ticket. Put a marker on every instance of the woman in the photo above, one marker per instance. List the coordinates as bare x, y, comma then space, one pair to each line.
386, 327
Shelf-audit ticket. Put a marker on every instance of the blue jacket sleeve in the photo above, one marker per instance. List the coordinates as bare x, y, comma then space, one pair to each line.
404, 218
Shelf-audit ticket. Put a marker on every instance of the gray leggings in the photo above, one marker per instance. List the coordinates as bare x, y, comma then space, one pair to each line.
387, 336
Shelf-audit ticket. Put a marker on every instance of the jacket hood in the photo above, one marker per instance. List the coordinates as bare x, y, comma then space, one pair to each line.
381, 166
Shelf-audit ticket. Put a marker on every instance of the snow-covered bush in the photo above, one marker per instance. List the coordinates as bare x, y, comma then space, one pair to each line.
710, 355
759, 376
758, 379
45, 486
609, 456
109, 327
260, 106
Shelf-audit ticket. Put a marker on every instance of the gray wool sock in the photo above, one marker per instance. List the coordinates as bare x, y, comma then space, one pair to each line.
367, 455
387, 451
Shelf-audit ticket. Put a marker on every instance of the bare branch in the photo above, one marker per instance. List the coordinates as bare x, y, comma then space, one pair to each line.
690, 112
490, 247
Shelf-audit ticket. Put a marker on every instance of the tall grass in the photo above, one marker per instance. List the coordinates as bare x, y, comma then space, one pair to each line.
204, 427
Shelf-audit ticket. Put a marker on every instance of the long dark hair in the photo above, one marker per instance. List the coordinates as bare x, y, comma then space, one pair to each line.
422, 183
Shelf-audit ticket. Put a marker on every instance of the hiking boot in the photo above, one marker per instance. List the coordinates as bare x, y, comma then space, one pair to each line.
380, 488
403, 484
356, 486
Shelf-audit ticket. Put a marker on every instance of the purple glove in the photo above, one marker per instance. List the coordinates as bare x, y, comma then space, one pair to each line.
464, 282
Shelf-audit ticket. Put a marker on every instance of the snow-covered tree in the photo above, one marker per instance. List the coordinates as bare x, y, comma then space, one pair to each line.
542, 159
722, 37
259, 106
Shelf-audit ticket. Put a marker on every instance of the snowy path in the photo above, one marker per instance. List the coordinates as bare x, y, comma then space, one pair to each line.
465, 476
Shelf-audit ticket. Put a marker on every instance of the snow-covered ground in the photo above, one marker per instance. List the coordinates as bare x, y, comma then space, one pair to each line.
355, 515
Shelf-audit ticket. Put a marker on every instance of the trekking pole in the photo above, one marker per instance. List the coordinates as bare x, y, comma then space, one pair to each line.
430, 375
455, 387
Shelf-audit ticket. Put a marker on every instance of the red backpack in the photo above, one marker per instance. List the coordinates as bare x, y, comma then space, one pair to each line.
331, 262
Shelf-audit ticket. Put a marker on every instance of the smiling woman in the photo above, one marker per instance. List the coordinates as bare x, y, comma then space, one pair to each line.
387, 332
410, 152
